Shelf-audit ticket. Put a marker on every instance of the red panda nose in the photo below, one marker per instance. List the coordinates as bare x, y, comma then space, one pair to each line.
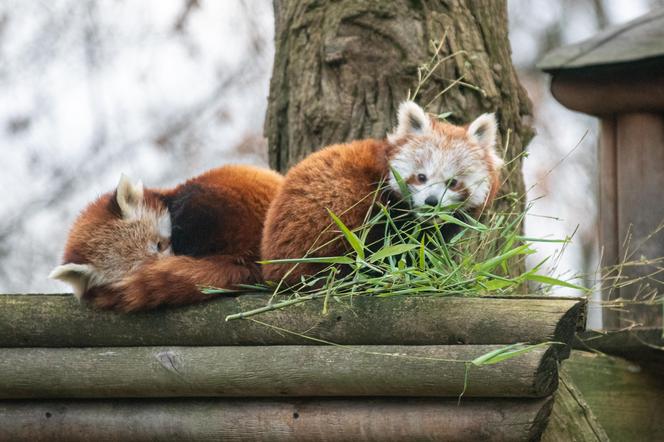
431, 201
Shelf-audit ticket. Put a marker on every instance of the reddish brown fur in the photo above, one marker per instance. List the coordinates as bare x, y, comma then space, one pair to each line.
174, 280
334, 178
216, 239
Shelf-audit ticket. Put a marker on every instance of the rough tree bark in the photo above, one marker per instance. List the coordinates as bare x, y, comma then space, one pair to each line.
342, 67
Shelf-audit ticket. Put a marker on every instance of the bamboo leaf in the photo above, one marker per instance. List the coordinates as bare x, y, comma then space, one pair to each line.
491, 263
497, 284
311, 260
403, 187
351, 237
509, 352
479, 227
553, 281
530, 239
422, 261
396, 249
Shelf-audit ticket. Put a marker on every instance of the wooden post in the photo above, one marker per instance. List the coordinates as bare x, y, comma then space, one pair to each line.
640, 211
616, 76
608, 221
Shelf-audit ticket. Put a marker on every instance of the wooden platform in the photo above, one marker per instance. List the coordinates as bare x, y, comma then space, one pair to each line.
395, 371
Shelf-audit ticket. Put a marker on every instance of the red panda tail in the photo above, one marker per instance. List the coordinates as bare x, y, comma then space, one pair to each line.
174, 280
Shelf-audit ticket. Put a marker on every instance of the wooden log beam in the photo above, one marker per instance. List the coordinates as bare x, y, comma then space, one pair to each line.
59, 321
134, 372
644, 345
275, 419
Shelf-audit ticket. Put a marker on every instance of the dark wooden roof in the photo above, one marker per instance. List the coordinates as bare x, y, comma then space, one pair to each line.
619, 70
639, 39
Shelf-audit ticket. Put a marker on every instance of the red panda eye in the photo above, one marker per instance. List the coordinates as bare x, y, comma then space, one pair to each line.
452, 182
422, 178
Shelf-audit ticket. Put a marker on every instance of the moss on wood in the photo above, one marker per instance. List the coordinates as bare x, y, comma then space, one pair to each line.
60, 321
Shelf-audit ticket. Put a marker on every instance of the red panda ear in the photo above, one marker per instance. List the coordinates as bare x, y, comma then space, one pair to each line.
484, 130
129, 197
412, 120
76, 275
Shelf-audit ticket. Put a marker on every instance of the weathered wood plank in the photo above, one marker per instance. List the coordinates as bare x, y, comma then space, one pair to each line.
625, 397
59, 321
572, 420
643, 345
275, 419
270, 371
638, 39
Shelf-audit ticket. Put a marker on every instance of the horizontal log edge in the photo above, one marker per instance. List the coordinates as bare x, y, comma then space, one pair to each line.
301, 419
138, 372
60, 321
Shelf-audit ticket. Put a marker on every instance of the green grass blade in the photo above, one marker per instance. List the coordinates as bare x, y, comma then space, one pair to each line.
396, 249
491, 263
497, 284
351, 237
505, 353
422, 254
530, 239
447, 218
553, 281
311, 260
403, 187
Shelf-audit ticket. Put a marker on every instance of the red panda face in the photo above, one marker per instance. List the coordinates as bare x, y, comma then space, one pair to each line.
442, 164
113, 236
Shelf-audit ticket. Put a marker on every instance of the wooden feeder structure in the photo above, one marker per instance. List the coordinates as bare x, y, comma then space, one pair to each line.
618, 76
68, 372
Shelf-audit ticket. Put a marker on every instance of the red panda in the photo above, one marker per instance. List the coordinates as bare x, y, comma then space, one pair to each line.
138, 248
442, 164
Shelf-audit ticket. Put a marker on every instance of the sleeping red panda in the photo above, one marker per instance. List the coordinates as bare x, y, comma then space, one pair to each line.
138, 248
442, 164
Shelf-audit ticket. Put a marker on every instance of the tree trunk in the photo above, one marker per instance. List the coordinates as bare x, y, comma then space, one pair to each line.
342, 67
